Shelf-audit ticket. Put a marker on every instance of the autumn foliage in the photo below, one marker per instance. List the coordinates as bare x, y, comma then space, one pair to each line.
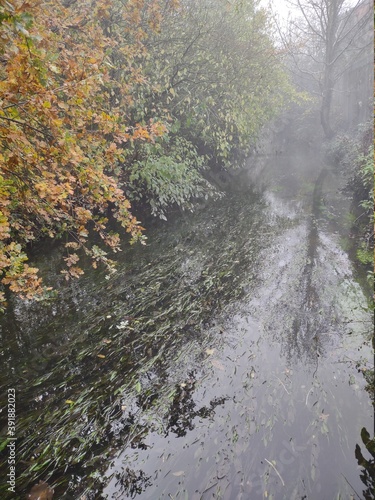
64, 127
108, 102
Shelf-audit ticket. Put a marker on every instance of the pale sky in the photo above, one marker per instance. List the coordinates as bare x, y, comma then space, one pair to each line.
279, 7
282, 8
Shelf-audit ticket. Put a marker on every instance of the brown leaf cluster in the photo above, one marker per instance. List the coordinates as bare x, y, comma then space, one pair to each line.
67, 73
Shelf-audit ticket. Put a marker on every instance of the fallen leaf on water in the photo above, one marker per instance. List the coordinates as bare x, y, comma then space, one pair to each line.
101, 356
324, 416
178, 473
41, 491
122, 325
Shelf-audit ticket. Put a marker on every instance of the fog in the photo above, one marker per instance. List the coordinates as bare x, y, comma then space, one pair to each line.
192, 185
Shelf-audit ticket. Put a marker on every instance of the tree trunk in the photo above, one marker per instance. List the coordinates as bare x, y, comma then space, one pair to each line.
325, 112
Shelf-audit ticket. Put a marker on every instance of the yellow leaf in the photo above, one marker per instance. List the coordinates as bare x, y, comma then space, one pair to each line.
101, 356
69, 402
46, 104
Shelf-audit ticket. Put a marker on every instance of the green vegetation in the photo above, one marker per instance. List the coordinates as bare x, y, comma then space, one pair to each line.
354, 158
215, 69
168, 173
106, 103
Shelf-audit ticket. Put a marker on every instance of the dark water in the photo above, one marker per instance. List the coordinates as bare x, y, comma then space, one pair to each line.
223, 360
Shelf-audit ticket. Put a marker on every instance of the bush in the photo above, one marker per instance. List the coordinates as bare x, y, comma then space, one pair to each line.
168, 173
354, 158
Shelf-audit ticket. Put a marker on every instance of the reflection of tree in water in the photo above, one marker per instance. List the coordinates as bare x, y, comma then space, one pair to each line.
368, 466
131, 483
183, 412
179, 420
308, 324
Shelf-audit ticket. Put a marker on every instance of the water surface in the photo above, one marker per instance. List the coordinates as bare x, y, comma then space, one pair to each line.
222, 360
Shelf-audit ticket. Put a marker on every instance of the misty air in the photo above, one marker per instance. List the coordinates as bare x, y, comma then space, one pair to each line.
186, 250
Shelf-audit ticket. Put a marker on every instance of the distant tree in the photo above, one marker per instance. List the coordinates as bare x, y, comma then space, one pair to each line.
324, 41
215, 67
216, 77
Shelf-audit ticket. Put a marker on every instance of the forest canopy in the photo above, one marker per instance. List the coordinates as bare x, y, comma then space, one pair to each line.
108, 105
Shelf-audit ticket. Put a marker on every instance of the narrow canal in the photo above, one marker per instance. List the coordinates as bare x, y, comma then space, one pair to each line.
223, 360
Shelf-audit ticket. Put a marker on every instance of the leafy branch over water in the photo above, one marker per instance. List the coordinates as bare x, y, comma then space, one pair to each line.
109, 103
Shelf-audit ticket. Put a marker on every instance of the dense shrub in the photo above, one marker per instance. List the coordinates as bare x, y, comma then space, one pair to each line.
354, 158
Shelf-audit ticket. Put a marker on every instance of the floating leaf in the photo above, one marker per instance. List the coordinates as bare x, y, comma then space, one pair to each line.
122, 325
101, 356
324, 416
178, 473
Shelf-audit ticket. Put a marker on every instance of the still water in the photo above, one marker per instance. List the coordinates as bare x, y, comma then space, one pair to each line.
222, 360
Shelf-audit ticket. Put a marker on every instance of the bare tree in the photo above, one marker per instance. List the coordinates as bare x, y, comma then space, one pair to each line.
324, 41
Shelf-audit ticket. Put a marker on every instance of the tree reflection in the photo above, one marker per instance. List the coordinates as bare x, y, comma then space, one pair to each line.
131, 483
183, 409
